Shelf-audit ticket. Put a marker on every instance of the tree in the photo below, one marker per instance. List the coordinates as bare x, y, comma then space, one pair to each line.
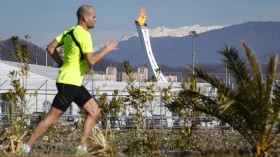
251, 106
17, 97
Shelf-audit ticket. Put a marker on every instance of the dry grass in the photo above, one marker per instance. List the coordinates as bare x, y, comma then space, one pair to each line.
210, 143
99, 143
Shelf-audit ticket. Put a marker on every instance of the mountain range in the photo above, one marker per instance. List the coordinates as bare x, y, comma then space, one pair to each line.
262, 37
173, 49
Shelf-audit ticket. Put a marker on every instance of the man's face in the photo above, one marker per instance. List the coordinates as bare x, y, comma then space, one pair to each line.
91, 19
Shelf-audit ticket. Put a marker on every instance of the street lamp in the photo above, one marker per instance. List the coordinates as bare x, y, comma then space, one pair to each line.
226, 75
46, 76
46, 55
27, 37
193, 34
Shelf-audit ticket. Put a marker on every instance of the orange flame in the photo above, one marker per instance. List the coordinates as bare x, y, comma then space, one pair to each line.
142, 17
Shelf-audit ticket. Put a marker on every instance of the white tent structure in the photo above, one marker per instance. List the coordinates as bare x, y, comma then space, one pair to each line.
42, 81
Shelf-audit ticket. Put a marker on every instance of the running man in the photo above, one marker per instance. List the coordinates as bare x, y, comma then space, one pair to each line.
78, 55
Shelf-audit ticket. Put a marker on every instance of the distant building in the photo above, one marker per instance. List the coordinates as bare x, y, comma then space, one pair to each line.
111, 73
171, 78
140, 76
125, 77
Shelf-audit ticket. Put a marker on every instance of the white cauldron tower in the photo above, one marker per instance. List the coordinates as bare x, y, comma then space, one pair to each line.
144, 35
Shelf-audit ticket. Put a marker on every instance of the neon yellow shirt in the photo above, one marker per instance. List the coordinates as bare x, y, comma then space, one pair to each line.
73, 69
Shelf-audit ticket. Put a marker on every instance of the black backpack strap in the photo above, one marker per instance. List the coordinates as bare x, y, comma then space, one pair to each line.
75, 41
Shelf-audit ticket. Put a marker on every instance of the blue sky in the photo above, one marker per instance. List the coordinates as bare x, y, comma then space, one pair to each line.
43, 20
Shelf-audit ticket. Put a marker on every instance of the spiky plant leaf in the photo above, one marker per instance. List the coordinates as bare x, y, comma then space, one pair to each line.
250, 107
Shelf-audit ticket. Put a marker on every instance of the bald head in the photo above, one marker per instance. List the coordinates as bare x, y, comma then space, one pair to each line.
86, 16
84, 10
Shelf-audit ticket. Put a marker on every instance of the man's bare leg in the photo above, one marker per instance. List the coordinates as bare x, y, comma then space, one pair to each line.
50, 120
93, 111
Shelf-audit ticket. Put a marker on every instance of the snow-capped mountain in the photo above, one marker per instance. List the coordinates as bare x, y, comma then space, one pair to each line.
182, 31
165, 32
178, 32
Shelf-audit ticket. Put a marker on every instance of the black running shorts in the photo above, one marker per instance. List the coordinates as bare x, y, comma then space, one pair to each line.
70, 93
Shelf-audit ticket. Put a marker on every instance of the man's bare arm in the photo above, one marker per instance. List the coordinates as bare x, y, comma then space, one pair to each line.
92, 59
54, 53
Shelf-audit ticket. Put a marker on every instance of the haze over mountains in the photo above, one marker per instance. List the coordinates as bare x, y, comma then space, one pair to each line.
173, 47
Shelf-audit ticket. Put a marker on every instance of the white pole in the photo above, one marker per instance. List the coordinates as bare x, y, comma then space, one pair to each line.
193, 34
46, 56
